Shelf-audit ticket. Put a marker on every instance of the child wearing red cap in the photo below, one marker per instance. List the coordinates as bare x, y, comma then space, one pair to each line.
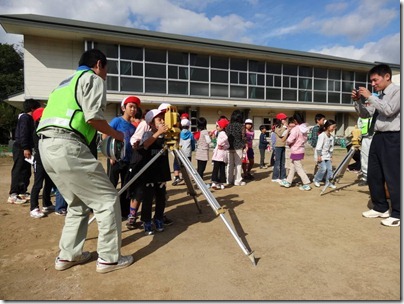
219, 156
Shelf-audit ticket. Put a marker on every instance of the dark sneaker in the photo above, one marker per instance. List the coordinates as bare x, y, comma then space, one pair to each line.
148, 228
131, 223
167, 221
61, 212
48, 209
104, 267
176, 181
65, 264
159, 225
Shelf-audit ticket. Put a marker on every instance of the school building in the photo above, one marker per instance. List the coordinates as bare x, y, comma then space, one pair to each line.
203, 77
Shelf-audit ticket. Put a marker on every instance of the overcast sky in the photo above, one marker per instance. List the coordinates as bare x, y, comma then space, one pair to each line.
366, 30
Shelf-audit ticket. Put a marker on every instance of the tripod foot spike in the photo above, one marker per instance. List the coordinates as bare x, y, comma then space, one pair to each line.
252, 259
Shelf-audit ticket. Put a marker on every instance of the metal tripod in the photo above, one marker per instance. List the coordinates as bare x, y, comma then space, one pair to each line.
341, 169
186, 170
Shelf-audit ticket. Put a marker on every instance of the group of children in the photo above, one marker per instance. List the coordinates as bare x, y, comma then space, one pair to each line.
145, 137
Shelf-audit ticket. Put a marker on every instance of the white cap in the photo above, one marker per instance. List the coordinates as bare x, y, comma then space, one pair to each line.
185, 122
151, 114
248, 121
163, 106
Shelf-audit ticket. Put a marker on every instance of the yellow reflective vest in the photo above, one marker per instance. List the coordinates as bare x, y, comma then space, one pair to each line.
64, 111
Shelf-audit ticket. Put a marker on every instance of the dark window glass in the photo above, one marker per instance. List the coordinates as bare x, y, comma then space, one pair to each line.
199, 74
305, 95
363, 77
334, 85
177, 87
289, 69
199, 60
274, 68
320, 84
256, 93
289, 95
238, 92
305, 83
334, 74
293, 82
219, 90
347, 86
333, 98
346, 99
346, 75
199, 89
155, 70
320, 97
320, 73
132, 53
305, 71
153, 55
238, 64
256, 66
131, 84
137, 69
242, 78
178, 58
183, 73
274, 94
110, 50
278, 81
233, 77
252, 78
270, 80
172, 72
112, 66
112, 83
219, 76
155, 86
219, 62
260, 79
126, 68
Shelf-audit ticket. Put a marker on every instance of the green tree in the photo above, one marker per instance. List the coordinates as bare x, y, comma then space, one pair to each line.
11, 82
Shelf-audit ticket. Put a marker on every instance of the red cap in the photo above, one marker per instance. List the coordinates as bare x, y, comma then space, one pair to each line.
223, 123
130, 99
37, 114
184, 115
281, 116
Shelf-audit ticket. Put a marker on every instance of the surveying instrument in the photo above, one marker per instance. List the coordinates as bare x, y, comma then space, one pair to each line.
341, 169
114, 149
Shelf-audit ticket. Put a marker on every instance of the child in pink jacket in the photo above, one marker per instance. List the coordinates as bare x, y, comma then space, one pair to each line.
219, 156
296, 141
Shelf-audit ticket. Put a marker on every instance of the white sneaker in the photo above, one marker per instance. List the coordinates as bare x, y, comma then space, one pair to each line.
391, 222
36, 213
65, 264
373, 214
16, 199
221, 186
276, 180
104, 267
317, 184
240, 184
332, 186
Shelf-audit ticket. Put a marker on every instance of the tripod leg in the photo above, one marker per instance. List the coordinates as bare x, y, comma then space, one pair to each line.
213, 202
187, 180
144, 168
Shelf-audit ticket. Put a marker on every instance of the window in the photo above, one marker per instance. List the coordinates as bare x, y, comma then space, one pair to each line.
155, 70
177, 88
219, 76
238, 64
155, 86
219, 62
199, 60
178, 58
238, 91
219, 90
131, 84
155, 55
199, 74
200, 89
131, 53
289, 69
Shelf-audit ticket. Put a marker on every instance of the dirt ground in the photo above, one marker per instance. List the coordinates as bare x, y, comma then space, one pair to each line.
306, 246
